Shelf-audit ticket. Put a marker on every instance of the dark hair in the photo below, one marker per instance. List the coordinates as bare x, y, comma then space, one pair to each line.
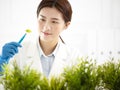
62, 5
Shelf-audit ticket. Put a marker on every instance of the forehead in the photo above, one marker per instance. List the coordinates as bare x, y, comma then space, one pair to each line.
49, 12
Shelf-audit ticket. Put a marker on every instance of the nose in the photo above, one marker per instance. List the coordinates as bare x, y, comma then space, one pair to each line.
47, 26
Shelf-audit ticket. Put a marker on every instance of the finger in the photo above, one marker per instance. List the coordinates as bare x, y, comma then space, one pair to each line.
10, 54
13, 51
11, 47
16, 44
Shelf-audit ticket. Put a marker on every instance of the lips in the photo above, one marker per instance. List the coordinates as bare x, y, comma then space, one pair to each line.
46, 33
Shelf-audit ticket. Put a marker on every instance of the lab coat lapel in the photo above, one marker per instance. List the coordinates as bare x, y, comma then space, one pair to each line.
59, 62
34, 59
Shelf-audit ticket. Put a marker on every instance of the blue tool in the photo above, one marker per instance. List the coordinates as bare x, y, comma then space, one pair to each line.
27, 31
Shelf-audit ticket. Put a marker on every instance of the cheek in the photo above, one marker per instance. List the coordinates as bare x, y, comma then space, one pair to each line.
40, 26
58, 30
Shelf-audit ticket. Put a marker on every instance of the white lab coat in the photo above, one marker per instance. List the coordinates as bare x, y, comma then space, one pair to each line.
29, 55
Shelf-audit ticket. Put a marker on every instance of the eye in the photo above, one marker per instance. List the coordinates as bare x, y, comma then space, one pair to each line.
55, 22
42, 19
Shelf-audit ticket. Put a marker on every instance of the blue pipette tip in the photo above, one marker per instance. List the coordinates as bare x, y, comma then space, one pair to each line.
22, 38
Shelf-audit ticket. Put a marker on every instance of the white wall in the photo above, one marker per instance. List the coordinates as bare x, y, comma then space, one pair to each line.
15, 17
95, 27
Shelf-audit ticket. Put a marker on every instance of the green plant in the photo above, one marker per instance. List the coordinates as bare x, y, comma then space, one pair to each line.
57, 83
85, 75
109, 73
82, 76
26, 79
29, 79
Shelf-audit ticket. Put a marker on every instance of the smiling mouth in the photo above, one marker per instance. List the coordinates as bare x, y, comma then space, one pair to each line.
46, 34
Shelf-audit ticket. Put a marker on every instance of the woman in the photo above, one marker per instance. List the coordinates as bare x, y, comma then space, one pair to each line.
49, 54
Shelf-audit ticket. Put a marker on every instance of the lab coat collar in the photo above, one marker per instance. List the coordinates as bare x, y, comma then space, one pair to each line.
42, 53
59, 61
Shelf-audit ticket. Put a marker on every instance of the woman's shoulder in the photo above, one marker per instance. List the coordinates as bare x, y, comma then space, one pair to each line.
71, 50
73, 54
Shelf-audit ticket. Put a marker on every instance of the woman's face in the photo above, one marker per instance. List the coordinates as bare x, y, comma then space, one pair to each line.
50, 24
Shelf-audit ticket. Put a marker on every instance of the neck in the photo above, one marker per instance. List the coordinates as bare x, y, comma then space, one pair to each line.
48, 47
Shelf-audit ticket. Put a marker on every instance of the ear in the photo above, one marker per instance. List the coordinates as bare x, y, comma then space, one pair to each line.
67, 24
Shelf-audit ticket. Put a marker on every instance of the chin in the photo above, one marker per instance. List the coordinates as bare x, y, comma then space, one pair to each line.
46, 39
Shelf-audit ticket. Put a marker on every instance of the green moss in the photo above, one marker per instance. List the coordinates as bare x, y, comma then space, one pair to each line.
28, 31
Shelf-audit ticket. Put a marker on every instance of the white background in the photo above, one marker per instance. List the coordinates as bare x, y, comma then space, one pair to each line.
95, 27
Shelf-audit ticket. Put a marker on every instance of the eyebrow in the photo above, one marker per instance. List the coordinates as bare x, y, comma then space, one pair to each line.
51, 18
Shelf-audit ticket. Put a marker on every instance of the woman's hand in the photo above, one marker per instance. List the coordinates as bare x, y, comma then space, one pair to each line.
9, 50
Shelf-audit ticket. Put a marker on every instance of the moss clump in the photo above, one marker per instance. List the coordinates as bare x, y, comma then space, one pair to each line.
28, 31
